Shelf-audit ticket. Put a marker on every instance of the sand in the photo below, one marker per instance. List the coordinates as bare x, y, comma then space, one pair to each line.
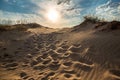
40, 54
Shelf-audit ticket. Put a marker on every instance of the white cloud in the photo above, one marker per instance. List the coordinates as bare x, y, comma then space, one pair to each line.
108, 11
65, 7
69, 14
119, 7
6, 0
19, 16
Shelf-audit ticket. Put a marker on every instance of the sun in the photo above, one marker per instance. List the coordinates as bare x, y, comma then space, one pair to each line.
53, 15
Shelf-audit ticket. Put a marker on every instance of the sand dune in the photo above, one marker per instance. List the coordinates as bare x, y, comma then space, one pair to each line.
78, 53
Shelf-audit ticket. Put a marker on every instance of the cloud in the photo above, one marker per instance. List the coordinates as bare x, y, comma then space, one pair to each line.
109, 11
63, 1
68, 12
6, 0
18, 16
63, 6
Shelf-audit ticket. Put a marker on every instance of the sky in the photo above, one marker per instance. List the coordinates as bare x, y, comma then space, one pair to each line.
58, 13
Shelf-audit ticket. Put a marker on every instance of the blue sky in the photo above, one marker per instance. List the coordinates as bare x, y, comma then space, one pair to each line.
71, 11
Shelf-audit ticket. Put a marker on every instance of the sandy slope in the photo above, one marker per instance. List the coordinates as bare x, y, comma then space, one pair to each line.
86, 54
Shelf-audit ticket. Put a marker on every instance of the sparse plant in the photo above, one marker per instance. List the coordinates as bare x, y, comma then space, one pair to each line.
11, 22
93, 19
12, 27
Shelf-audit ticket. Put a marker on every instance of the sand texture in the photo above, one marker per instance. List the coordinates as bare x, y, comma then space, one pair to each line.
79, 53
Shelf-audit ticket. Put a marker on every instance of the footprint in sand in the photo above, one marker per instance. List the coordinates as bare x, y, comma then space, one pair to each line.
55, 62
67, 75
25, 65
24, 75
45, 55
115, 72
61, 50
11, 66
54, 67
40, 46
68, 71
31, 79
75, 49
46, 61
51, 46
62, 43
67, 63
39, 67
50, 52
39, 59
77, 45
29, 56
33, 63
50, 74
65, 46
44, 78
41, 73
55, 56
77, 79
57, 42
82, 66
66, 54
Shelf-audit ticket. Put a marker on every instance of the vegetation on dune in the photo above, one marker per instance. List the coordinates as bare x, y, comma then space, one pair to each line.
19, 27
93, 22
112, 25
93, 19
6, 25
12, 27
10, 22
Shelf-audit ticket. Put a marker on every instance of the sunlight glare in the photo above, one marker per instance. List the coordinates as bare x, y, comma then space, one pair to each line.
53, 15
